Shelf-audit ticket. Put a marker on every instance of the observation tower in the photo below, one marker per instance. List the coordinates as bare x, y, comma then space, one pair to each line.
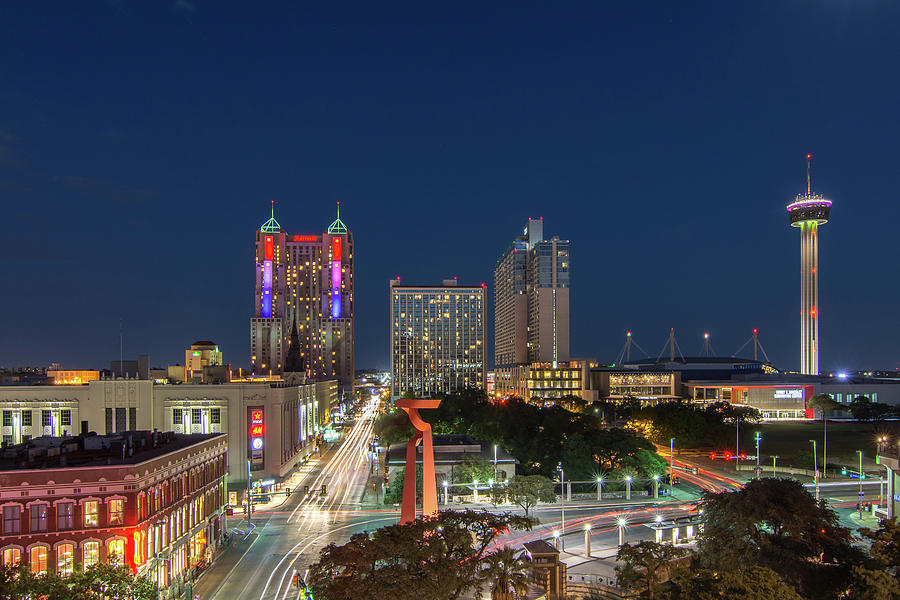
807, 212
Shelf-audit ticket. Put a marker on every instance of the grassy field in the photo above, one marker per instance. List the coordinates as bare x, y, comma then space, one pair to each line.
791, 442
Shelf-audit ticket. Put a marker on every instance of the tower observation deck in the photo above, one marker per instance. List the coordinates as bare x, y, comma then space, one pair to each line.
807, 212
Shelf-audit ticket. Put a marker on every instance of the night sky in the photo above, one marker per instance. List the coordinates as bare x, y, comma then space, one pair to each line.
141, 143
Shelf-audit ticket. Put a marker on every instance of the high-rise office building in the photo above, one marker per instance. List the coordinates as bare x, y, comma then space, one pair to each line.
303, 314
437, 338
807, 212
531, 304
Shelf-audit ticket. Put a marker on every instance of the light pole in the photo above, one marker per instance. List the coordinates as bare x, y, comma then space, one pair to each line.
758, 469
737, 441
562, 499
825, 446
475, 485
815, 468
621, 522
446, 492
628, 479
249, 504
656, 487
495, 462
671, 467
599, 488
774, 467
860, 483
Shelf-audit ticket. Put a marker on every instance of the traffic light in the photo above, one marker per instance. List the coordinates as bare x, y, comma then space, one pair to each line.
728, 456
712, 455
295, 580
287, 492
743, 456
843, 470
324, 490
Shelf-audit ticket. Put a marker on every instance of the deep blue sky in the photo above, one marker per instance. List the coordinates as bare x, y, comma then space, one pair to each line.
141, 142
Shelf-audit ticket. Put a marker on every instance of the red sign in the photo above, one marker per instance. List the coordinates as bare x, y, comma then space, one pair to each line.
269, 248
256, 430
336, 249
306, 238
257, 417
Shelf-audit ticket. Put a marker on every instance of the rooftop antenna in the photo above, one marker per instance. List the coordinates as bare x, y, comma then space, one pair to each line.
706, 344
755, 344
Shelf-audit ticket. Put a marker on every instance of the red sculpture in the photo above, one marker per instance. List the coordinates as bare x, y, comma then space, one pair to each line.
429, 484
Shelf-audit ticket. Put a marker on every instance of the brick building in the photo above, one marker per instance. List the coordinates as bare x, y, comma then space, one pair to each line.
151, 501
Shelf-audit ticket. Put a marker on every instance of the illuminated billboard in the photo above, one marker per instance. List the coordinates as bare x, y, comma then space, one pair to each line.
256, 429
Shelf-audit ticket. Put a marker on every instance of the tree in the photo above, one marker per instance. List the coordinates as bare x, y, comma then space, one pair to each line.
870, 584
885, 544
823, 402
438, 557
526, 491
394, 493
646, 563
577, 459
509, 574
473, 468
773, 523
755, 583
97, 581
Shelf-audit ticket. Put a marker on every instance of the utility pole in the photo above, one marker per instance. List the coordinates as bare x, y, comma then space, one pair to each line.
737, 441
249, 503
758, 468
774, 465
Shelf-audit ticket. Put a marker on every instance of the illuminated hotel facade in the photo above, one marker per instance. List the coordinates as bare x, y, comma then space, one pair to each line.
531, 305
437, 338
303, 306
807, 212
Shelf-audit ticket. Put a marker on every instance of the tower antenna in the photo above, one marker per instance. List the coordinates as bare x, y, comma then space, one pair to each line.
808, 186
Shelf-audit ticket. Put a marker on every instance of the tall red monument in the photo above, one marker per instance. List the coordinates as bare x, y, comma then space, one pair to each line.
429, 485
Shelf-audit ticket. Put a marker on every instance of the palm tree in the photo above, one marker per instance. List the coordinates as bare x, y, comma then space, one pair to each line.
509, 574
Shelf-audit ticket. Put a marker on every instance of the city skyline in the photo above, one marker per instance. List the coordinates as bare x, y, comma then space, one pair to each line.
144, 190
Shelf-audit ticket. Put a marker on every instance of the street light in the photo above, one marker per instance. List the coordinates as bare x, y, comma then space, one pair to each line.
656, 487
815, 468
562, 499
495, 461
446, 492
628, 479
621, 523
860, 452
599, 488
758, 469
556, 537
671, 467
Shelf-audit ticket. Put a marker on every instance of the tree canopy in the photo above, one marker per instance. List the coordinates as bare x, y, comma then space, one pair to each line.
645, 564
440, 557
97, 581
525, 491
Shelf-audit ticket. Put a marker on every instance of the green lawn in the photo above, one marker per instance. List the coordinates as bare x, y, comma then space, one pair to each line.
791, 442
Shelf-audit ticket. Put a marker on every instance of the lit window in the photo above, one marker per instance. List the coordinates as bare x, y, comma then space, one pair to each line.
12, 556
37, 560
115, 509
65, 559
90, 514
91, 554
115, 552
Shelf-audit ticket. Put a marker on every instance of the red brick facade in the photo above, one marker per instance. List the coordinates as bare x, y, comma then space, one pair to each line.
157, 516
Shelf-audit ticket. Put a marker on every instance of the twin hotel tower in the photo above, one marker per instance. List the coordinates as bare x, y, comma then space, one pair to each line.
303, 315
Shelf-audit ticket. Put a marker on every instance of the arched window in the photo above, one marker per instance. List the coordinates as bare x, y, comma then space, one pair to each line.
115, 552
65, 559
12, 556
37, 559
91, 553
